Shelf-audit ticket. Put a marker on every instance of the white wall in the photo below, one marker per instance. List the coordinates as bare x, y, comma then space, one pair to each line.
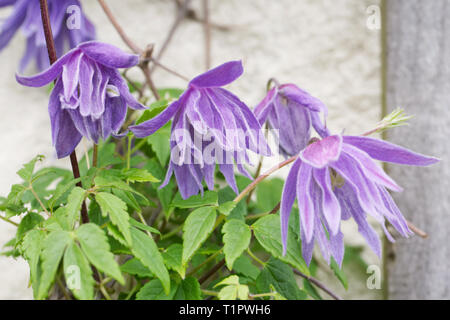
324, 46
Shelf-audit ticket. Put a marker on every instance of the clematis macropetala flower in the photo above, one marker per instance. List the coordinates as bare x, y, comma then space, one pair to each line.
26, 16
90, 96
336, 178
292, 111
210, 126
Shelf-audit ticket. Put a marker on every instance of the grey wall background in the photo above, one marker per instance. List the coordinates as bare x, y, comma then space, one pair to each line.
324, 46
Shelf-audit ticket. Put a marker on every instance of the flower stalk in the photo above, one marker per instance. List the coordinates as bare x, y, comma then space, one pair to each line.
52, 56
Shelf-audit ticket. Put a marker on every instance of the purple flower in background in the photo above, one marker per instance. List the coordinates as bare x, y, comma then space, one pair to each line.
337, 178
292, 111
70, 27
90, 97
210, 125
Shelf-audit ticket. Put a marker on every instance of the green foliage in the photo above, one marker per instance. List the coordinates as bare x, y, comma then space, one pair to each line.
268, 233
197, 228
146, 242
236, 240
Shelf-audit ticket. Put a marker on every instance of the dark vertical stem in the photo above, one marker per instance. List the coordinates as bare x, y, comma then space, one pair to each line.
52, 56
211, 272
207, 28
95, 156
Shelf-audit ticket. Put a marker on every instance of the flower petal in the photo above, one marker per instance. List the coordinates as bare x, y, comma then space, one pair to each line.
330, 204
48, 75
371, 169
64, 134
287, 201
117, 80
219, 76
262, 109
389, 152
305, 202
13, 22
151, 126
108, 55
70, 74
349, 202
323, 152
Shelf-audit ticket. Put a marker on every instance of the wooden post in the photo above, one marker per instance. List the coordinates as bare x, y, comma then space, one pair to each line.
417, 56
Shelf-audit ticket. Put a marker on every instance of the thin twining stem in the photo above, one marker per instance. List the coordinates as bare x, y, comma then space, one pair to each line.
119, 28
53, 57
262, 177
318, 284
180, 16
143, 65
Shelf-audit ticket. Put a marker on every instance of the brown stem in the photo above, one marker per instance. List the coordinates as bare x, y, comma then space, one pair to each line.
180, 16
145, 53
53, 57
253, 185
95, 156
211, 272
416, 230
318, 284
119, 29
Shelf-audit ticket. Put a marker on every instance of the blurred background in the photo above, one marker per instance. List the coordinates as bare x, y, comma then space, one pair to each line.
331, 48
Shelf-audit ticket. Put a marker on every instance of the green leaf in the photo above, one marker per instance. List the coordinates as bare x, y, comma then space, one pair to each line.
53, 249
136, 268
74, 203
14, 196
117, 211
172, 257
233, 289
78, 273
144, 227
339, 273
145, 249
95, 246
153, 290
311, 290
28, 222
227, 207
239, 211
189, 289
197, 227
26, 172
139, 175
160, 143
282, 278
31, 250
244, 266
236, 239
210, 198
268, 233
60, 191
268, 194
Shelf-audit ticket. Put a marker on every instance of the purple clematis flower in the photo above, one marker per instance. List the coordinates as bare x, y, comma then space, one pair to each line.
292, 111
337, 178
90, 97
210, 125
26, 15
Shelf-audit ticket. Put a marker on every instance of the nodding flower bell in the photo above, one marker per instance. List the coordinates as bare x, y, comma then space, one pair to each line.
337, 178
292, 111
90, 96
210, 126
70, 27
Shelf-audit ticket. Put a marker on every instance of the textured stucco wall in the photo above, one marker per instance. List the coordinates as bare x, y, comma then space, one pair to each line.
323, 46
